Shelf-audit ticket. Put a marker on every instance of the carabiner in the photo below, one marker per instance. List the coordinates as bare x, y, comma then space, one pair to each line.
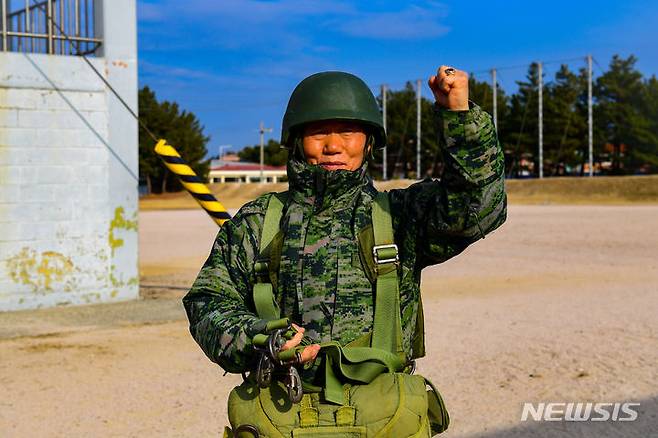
294, 384
264, 371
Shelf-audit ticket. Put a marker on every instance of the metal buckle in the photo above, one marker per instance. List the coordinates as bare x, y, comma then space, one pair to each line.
262, 270
248, 428
395, 260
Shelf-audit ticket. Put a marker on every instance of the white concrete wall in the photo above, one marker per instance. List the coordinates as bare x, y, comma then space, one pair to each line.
68, 167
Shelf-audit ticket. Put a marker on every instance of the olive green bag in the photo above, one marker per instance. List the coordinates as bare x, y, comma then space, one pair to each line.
368, 389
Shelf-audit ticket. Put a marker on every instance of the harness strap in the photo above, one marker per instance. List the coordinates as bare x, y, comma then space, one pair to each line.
361, 364
272, 218
386, 336
385, 353
263, 294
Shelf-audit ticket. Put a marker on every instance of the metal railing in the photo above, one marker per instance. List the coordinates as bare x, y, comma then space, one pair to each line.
40, 26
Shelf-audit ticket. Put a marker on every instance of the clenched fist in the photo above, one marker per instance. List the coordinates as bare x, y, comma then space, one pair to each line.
450, 89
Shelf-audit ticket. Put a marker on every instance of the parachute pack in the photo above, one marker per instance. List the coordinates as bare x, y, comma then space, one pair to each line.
369, 388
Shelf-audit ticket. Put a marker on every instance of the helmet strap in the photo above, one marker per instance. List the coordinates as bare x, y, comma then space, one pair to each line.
298, 148
370, 147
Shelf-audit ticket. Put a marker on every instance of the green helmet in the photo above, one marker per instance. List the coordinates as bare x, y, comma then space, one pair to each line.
328, 96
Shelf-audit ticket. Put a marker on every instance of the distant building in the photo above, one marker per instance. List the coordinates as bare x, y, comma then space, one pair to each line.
231, 158
68, 153
222, 171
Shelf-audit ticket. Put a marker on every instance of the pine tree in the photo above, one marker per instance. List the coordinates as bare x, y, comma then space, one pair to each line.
181, 129
481, 93
401, 136
565, 124
646, 152
620, 119
523, 125
275, 155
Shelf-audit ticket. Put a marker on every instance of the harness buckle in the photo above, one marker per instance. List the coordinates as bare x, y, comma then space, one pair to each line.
262, 270
387, 257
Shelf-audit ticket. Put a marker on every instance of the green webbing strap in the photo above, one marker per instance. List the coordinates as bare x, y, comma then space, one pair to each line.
386, 336
385, 354
266, 306
263, 294
361, 364
308, 415
271, 223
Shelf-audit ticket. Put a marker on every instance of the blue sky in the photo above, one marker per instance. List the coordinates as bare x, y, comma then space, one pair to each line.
234, 62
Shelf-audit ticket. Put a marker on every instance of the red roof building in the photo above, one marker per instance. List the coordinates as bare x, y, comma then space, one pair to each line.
225, 171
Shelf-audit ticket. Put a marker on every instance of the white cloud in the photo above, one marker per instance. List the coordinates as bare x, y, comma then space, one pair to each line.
249, 20
244, 12
414, 22
283, 38
148, 12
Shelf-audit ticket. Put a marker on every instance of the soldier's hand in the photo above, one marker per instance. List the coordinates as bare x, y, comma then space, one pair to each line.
309, 353
450, 90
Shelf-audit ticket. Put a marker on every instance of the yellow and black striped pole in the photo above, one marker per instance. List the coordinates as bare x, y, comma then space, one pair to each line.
192, 182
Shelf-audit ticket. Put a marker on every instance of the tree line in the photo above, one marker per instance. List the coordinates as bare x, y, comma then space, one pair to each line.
625, 108
180, 128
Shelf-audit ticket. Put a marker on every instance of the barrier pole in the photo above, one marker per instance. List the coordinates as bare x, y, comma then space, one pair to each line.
191, 182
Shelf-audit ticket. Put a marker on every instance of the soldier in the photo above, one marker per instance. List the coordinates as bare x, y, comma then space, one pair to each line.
322, 280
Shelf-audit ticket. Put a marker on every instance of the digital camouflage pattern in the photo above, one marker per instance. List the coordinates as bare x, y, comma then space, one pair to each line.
322, 282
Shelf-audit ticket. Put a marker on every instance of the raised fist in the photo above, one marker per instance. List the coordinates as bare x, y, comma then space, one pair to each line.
450, 88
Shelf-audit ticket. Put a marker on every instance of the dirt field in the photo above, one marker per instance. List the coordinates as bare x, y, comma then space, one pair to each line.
606, 190
560, 304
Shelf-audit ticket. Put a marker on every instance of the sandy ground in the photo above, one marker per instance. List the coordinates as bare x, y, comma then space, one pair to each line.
602, 190
560, 304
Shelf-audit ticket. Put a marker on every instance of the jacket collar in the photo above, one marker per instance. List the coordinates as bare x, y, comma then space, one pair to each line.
313, 185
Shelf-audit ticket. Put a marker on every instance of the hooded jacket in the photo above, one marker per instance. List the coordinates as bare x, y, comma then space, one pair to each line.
323, 283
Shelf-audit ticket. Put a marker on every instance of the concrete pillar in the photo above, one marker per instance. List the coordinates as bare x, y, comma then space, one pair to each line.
119, 33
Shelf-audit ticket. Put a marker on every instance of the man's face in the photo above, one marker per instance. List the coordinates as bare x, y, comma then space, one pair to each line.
335, 144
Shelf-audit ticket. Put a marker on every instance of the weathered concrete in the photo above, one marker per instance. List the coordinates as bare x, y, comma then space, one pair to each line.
68, 173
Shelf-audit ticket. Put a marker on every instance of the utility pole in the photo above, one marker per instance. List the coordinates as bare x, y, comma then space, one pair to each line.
262, 130
590, 121
384, 163
541, 120
494, 85
418, 129
221, 150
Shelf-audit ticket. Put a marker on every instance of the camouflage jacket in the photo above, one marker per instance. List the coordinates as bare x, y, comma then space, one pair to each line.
322, 284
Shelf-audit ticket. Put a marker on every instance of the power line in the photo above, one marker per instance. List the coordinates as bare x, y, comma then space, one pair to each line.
509, 67
556, 61
598, 65
517, 66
